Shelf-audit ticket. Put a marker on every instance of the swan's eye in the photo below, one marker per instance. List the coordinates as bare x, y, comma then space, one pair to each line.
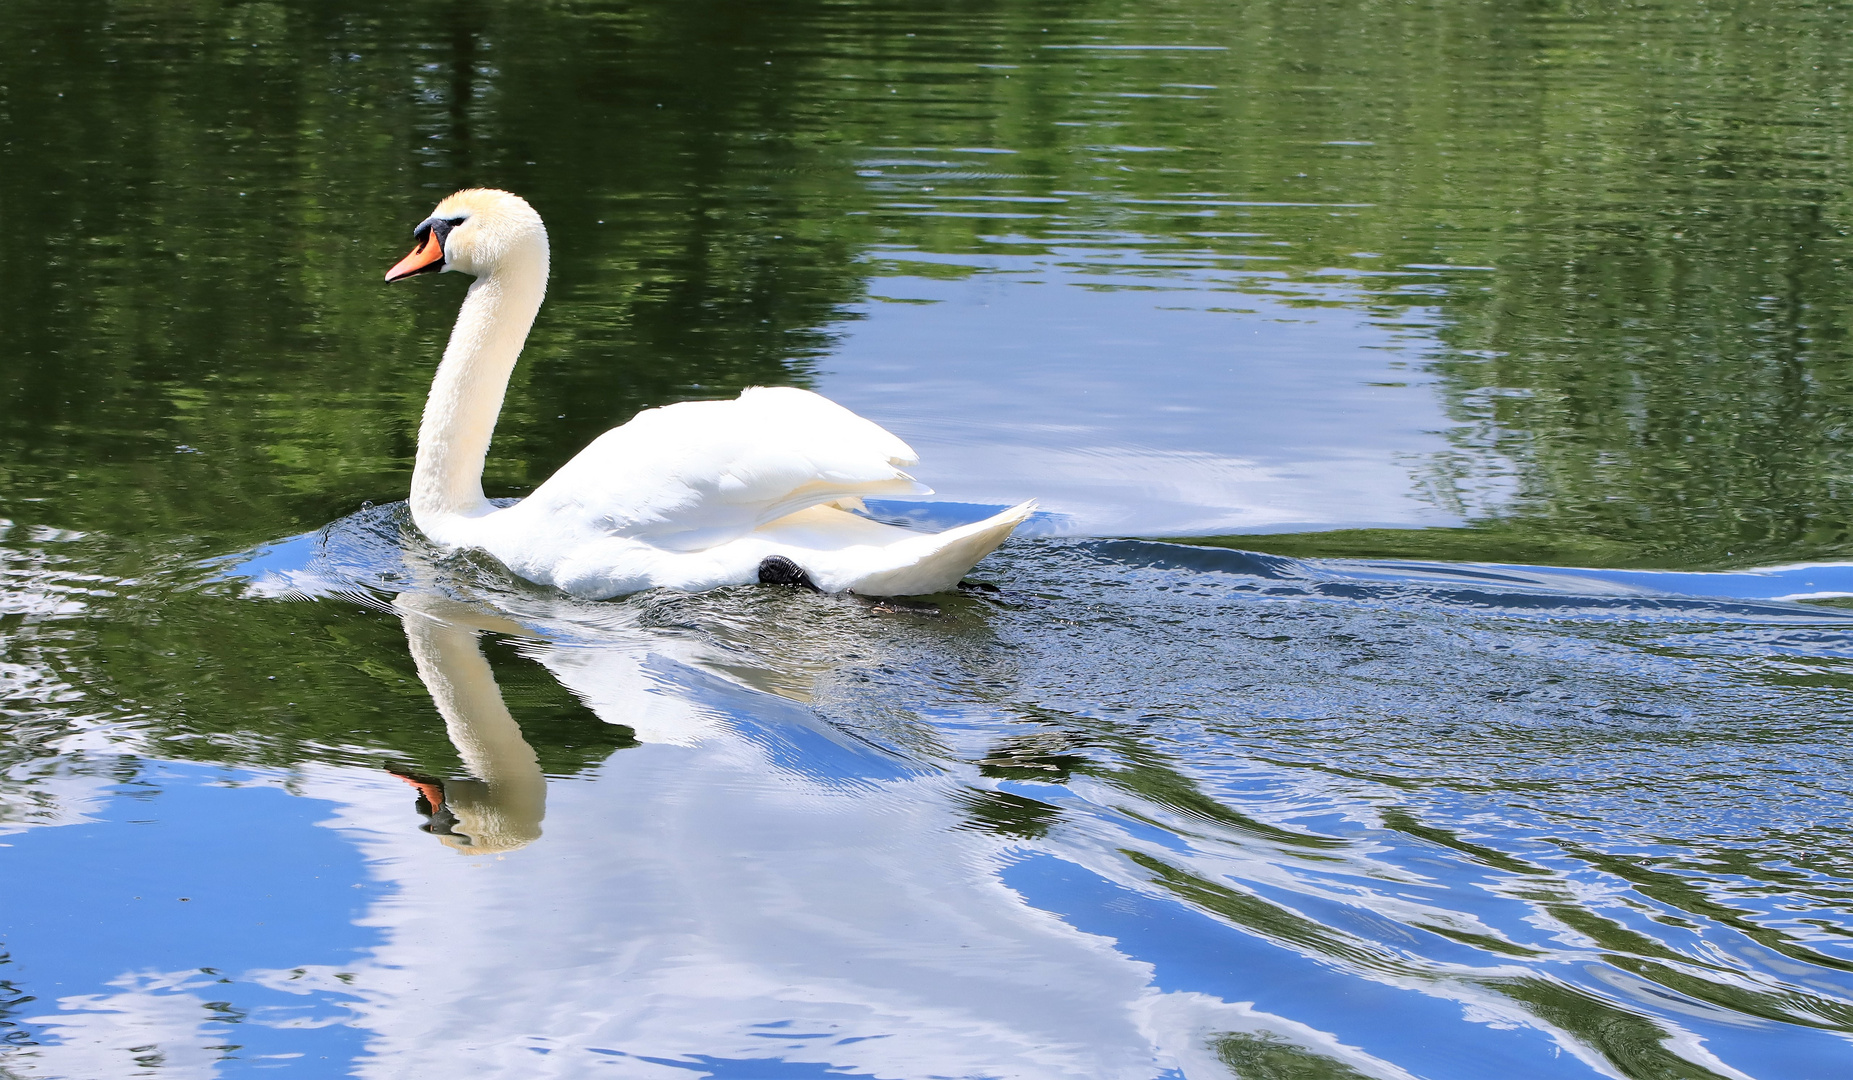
456, 221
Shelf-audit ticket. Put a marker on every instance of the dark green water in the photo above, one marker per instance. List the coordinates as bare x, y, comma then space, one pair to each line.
1650, 368
1513, 285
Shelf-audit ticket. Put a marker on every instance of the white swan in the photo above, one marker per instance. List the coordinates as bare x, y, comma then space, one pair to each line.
688, 496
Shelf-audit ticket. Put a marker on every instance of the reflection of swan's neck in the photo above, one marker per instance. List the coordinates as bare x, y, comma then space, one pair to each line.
466, 394
505, 812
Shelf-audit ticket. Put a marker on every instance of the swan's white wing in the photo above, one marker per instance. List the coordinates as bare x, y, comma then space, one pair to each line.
700, 473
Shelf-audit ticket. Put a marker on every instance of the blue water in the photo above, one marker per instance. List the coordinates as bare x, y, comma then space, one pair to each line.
186, 901
1145, 810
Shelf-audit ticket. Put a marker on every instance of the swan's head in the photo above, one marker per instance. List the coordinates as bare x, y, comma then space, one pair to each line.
477, 231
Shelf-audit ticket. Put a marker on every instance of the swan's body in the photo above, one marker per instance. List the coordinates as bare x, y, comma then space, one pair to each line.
688, 496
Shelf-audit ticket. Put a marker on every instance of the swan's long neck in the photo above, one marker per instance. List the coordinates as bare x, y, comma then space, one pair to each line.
466, 393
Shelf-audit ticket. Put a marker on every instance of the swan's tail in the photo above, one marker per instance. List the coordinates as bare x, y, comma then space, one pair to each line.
935, 562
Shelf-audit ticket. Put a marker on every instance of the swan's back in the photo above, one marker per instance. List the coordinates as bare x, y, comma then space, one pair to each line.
696, 474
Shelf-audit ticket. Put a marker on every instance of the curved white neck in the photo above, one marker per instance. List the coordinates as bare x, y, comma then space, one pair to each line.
466, 393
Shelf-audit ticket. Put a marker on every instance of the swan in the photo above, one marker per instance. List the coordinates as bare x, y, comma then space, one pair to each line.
688, 496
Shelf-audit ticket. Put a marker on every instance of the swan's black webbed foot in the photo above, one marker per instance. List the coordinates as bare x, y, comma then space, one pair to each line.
979, 586
778, 570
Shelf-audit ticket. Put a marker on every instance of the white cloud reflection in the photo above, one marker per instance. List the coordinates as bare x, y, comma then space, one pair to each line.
1133, 406
156, 1024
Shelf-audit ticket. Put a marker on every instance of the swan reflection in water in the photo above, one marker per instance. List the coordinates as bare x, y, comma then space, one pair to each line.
500, 807
629, 675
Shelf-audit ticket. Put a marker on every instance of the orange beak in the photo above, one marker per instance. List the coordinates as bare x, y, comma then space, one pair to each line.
427, 257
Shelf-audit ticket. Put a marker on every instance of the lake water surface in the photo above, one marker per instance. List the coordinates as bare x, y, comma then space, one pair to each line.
1433, 658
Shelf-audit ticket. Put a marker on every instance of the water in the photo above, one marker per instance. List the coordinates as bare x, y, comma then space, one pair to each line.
1432, 661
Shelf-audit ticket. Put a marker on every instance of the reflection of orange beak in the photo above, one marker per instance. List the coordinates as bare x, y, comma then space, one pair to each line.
432, 791
425, 258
